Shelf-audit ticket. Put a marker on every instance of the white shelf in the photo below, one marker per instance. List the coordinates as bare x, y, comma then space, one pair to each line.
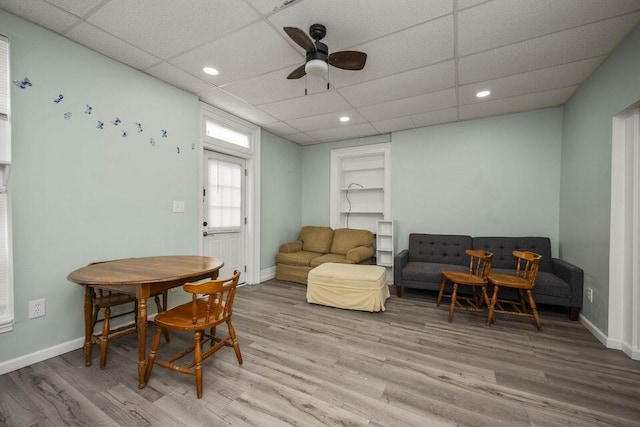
362, 189
385, 246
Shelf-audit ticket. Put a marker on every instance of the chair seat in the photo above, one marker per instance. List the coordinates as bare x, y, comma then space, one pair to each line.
465, 278
508, 280
181, 317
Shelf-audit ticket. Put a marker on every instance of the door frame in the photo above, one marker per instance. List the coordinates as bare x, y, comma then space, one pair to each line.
624, 245
251, 156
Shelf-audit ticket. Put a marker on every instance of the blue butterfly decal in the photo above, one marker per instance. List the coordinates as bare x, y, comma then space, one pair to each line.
163, 133
23, 84
67, 115
193, 146
152, 142
116, 121
124, 133
89, 109
178, 148
100, 125
58, 99
139, 125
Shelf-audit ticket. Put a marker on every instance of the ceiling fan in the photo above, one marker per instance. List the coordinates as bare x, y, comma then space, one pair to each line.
318, 57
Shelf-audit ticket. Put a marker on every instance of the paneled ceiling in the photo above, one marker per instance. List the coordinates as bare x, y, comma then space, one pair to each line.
426, 59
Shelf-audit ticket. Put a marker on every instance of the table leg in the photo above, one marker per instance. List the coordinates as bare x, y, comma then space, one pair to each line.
88, 330
142, 340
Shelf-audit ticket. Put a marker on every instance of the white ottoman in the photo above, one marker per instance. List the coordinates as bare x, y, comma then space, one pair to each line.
350, 286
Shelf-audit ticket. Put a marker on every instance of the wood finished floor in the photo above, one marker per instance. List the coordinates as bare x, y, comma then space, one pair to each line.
310, 365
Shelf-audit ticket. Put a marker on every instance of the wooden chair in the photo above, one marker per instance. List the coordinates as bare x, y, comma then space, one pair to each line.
198, 316
476, 277
524, 281
105, 300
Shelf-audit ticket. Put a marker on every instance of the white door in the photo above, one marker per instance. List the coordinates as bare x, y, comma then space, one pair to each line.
224, 211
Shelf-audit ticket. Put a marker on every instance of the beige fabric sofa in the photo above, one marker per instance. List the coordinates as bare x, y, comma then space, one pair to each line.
317, 245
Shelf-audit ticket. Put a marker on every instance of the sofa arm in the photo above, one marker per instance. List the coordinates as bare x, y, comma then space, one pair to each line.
359, 254
573, 275
291, 247
399, 262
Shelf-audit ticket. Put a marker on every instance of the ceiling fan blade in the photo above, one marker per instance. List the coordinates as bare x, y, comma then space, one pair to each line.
348, 59
297, 73
301, 38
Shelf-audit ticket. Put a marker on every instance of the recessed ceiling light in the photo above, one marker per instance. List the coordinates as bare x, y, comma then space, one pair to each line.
344, 119
211, 71
483, 93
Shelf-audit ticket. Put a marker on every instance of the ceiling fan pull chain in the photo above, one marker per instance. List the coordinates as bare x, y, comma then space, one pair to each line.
305, 85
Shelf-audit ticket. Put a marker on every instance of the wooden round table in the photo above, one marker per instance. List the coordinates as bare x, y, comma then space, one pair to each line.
142, 278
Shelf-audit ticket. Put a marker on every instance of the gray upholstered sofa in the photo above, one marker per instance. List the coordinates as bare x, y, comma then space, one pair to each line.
420, 266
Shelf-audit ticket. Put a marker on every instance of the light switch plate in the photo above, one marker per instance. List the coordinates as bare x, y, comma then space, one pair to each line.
178, 206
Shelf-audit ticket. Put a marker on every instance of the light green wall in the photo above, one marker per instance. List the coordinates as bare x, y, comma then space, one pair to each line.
281, 189
81, 194
586, 170
490, 177
316, 176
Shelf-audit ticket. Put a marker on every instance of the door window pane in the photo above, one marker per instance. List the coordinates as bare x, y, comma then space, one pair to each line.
224, 194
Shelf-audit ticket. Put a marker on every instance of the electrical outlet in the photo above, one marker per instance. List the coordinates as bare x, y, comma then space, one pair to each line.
37, 308
590, 294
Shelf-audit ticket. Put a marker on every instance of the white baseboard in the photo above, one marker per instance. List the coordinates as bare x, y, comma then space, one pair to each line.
633, 353
600, 336
40, 355
267, 274
48, 353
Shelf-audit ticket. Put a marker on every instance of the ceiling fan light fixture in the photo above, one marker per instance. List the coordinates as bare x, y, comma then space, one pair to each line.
316, 68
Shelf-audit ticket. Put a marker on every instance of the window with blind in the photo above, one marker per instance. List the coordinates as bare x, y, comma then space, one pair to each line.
6, 279
224, 195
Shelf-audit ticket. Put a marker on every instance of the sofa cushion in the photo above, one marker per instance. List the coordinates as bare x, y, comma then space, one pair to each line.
345, 239
439, 248
316, 239
301, 258
503, 247
428, 271
337, 258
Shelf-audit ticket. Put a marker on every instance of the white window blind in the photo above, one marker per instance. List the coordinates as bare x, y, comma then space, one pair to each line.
6, 279
224, 195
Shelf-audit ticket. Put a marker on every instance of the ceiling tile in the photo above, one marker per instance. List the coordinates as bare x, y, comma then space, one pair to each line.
407, 106
225, 101
237, 54
41, 13
302, 139
274, 87
534, 101
78, 8
175, 76
447, 115
464, 4
280, 128
324, 121
343, 132
415, 47
501, 22
410, 83
108, 45
392, 125
559, 48
353, 22
534, 81
305, 106
166, 27
266, 7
